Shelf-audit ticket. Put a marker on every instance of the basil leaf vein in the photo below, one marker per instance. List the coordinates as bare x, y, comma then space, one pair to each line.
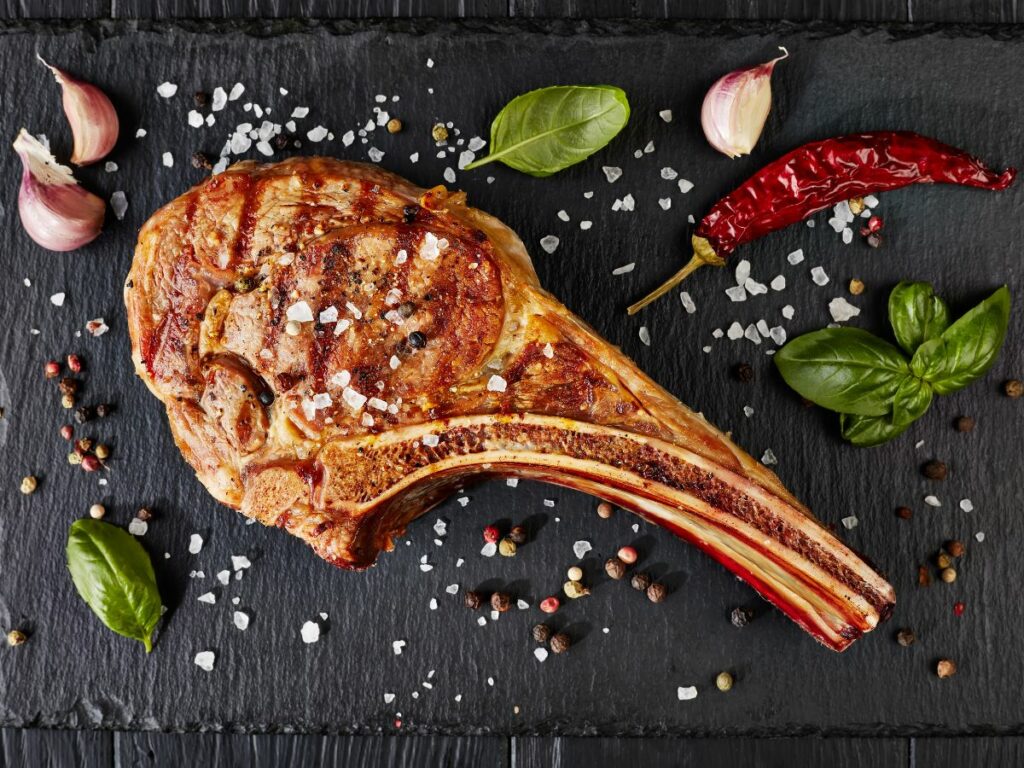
965, 351
544, 131
843, 369
916, 314
866, 431
114, 576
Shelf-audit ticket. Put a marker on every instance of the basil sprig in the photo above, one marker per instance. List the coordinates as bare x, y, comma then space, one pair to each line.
114, 575
547, 130
876, 390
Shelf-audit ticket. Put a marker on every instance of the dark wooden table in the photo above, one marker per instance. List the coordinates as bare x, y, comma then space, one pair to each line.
27, 747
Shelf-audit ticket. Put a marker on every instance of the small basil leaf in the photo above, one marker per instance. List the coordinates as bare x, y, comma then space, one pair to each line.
843, 369
544, 131
916, 314
911, 401
965, 351
865, 431
114, 575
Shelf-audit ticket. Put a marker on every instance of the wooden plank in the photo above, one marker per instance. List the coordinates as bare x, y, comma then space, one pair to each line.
709, 753
40, 748
326, 9
213, 750
967, 751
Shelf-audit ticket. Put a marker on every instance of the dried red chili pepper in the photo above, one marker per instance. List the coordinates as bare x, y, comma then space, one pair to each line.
818, 175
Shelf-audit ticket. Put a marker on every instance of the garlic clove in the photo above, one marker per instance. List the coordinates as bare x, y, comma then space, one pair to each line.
92, 117
56, 212
736, 108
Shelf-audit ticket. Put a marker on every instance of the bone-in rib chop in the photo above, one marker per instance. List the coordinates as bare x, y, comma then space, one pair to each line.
337, 350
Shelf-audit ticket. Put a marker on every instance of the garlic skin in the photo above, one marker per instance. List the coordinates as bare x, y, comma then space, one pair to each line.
56, 212
736, 108
92, 117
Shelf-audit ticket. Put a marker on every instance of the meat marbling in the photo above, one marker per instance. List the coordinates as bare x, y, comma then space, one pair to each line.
425, 352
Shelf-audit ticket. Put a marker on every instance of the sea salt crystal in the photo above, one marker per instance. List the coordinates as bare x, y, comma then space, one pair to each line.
195, 119
966, 505
612, 173
496, 384
718, 333
649, 148
686, 693
979, 536
685, 185
166, 89
549, 502
645, 335
168, 160
490, 549
932, 501
751, 334
624, 268
847, 236
563, 215
665, 203
353, 310
777, 334
207, 597
768, 458
850, 522
397, 646
748, 411
224, 577
140, 133
138, 527
195, 544
317, 134
687, 302
240, 562
300, 312
628, 203
755, 288
585, 225
449, 175
742, 271
580, 548
778, 283
452, 589
842, 310
57, 299
788, 312
204, 660
549, 243
430, 441
353, 399
541, 654
735, 331
669, 174
762, 327
818, 276
736, 293
548, 351
837, 224
796, 256
236, 91
512, 482
666, 115
119, 204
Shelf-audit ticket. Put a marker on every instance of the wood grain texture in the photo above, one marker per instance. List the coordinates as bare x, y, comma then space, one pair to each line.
216, 750
55, 749
808, 752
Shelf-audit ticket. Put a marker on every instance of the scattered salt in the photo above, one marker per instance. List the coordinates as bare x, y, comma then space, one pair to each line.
195, 544
966, 505
842, 310
850, 522
666, 115
769, 458
932, 501
496, 384
685, 185
166, 89
687, 301
168, 160
207, 597
549, 243
796, 256
57, 299
580, 548
119, 203
138, 527
624, 268
818, 276
686, 693
612, 173
238, 562
778, 283
204, 660
541, 654
241, 620
310, 632
645, 335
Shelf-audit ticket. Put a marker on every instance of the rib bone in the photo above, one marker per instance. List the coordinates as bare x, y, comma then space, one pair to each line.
343, 429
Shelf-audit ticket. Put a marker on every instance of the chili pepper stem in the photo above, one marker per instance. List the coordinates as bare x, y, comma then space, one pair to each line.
668, 285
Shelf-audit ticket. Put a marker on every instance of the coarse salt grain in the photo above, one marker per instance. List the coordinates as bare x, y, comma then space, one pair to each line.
490, 549
496, 384
310, 632
788, 312
204, 660
224, 577
353, 399
166, 89
240, 562
686, 693
119, 204
842, 310
735, 331
549, 243
300, 312
645, 335
685, 185
818, 276
979, 536
687, 302
796, 256
138, 527
195, 544
541, 654
241, 620
666, 115
585, 225
665, 203
207, 597
624, 268
168, 160
850, 522
57, 299
778, 283
612, 173
768, 458
736, 293
580, 548
430, 440
966, 505
317, 134
669, 174
397, 646
932, 501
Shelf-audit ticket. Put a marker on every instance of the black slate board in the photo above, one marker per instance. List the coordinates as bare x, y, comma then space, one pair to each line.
961, 88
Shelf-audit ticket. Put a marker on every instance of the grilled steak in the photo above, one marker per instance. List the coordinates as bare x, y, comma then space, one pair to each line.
338, 349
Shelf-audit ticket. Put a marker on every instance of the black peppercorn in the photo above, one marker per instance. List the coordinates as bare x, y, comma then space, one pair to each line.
201, 98
104, 409
501, 602
417, 340
541, 633
615, 568
406, 308
904, 513
473, 600
964, 424
144, 514
934, 470
905, 637
409, 213
83, 414
560, 643
202, 160
657, 592
744, 373
266, 397
281, 141
640, 581
68, 386
955, 548
740, 617
517, 534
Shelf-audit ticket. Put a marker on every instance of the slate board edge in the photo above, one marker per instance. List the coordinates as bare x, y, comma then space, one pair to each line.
110, 29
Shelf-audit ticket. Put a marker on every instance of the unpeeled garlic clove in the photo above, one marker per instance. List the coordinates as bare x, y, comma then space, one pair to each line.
736, 108
92, 117
56, 212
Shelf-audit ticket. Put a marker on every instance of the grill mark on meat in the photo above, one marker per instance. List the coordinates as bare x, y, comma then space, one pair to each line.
252, 189
333, 262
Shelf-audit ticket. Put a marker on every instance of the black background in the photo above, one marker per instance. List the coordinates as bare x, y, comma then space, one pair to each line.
961, 84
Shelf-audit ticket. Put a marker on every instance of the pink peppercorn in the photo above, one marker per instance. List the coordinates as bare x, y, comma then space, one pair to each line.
874, 223
67, 432
491, 534
75, 363
52, 369
549, 604
627, 555
958, 609
91, 463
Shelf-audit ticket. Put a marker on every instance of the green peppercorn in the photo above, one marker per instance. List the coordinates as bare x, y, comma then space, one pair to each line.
724, 682
507, 547
439, 132
16, 637
517, 534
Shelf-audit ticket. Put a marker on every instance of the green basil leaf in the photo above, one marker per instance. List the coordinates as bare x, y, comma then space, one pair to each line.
843, 369
965, 351
544, 131
114, 575
911, 401
916, 314
865, 431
